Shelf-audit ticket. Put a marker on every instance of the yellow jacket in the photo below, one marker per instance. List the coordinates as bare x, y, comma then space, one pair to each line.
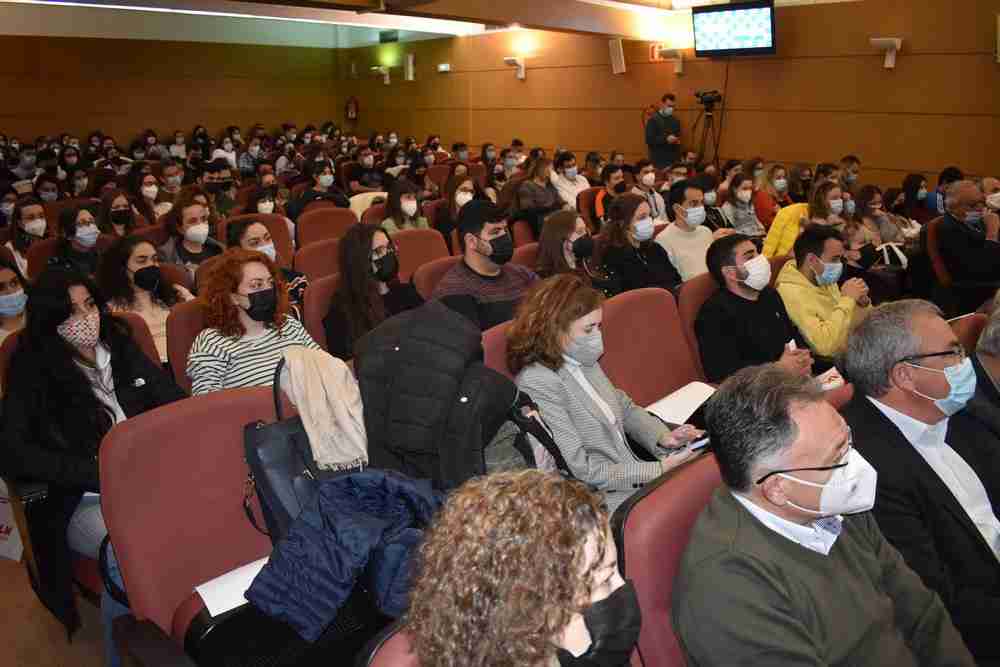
822, 315
784, 230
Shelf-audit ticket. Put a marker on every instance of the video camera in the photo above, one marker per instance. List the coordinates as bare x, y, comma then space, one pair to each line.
708, 98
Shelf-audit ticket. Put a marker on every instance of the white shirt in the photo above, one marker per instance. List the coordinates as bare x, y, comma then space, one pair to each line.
575, 369
567, 189
951, 468
818, 536
686, 249
103, 382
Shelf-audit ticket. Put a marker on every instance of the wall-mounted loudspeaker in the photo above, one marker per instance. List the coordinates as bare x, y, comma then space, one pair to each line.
617, 56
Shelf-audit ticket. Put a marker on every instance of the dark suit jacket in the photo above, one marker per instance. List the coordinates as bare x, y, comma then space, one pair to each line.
985, 405
923, 520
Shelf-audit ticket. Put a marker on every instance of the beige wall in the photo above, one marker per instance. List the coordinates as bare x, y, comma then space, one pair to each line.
824, 95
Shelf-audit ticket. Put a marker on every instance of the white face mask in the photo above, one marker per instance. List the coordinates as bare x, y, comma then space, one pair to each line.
35, 228
744, 196
780, 184
837, 206
710, 198
644, 228
368, 161
150, 191
758, 272
463, 198
649, 179
197, 233
850, 489
265, 207
326, 180
409, 207
993, 201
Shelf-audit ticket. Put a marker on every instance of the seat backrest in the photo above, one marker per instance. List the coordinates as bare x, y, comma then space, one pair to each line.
526, 255
522, 233
651, 532
323, 223
318, 259
156, 234
968, 328
39, 254
495, 349
478, 171
648, 360
319, 203
243, 194
185, 322
276, 227
433, 210
316, 304
363, 201
778, 263
941, 271
392, 649
438, 173
374, 215
176, 275
428, 275
6, 254
693, 294
585, 207
53, 209
204, 270
298, 189
171, 537
342, 169
416, 248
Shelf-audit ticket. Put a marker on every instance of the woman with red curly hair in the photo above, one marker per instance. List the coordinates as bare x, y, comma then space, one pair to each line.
532, 582
553, 346
248, 325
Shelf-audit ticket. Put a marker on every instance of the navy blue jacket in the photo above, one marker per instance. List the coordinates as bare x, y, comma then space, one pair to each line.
373, 516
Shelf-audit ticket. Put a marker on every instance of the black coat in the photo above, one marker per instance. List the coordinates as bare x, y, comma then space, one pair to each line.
50, 448
923, 520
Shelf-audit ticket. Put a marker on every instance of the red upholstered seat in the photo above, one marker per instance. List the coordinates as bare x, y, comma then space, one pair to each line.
40, 252
968, 328
392, 649
319, 259
374, 215
778, 263
323, 223
646, 353
585, 207
276, 227
167, 542
651, 531
438, 173
156, 234
941, 272
427, 276
526, 255
416, 248
433, 210
478, 171
693, 294
495, 349
176, 275
185, 322
316, 304
522, 233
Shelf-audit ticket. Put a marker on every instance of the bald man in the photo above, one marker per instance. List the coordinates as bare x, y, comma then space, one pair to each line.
969, 243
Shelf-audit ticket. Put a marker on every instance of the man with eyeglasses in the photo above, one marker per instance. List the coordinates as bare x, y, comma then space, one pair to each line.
939, 468
786, 565
969, 241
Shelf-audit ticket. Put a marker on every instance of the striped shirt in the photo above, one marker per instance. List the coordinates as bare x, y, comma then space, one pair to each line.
221, 362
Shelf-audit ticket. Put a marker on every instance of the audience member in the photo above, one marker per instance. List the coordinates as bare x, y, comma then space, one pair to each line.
729, 169
567, 179
13, 299
369, 290
117, 216
172, 176
800, 181
645, 186
593, 166
663, 134
745, 322
686, 239
47, 188
220, 186
321, 189
850, 168
937, 466
935, 200
613, 179
566, 246
786, 565
715, 218
968, 235
417, 174
402, 210
537, 196
739, 207
77, 248
8, 199
253, 235
363, 176
631, 255
550, 589
823, 312
30, 226
189, 244
824, 208
248, 325
485, 273
915, 199
144, 191
553, 347
458, 191
772, 195
75, 373
985, 405
991, 190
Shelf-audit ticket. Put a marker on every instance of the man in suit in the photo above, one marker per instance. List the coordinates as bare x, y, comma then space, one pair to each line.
939, 468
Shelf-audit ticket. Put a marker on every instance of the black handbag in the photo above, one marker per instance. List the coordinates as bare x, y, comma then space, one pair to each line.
283, 471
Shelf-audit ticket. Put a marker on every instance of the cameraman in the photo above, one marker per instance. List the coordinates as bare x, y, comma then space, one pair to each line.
663, 134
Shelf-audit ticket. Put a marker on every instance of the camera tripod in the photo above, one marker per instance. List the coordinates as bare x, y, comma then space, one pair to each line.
709, 136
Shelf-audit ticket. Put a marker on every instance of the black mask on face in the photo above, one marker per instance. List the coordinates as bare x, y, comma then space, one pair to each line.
503, 249
614, 625
213, 187
621, 188
583, 247
121, 218
869, 255
263, 305
386, 267
147, 278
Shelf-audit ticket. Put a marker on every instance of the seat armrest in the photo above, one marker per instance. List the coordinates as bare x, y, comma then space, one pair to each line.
144, 644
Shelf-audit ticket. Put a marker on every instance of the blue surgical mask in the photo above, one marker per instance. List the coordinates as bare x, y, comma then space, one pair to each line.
831, 273
850, 207
921, 194
644, 229
696, 216
87, 235
974, 219
571, 173
961, 386
12, 305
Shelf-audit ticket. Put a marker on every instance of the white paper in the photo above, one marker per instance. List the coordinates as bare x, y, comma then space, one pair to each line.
227, 591
10, 538
677, 408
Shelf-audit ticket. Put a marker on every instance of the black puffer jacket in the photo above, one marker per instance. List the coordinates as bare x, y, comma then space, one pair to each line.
431, 406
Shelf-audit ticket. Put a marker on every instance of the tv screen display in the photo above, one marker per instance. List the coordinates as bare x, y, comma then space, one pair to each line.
738, 29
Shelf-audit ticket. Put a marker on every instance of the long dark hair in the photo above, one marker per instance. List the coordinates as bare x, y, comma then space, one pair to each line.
393, 207
135, 177
357, 293
112, 275
104, 219
44, 369
67, 227
20, 238
911, 186
620, 215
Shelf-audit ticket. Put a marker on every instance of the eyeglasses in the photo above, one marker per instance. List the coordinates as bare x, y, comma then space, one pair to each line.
957, 351
850, 446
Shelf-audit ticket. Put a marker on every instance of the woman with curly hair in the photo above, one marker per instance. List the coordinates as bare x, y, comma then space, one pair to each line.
117, 215
553, 346
247, 325
532, 582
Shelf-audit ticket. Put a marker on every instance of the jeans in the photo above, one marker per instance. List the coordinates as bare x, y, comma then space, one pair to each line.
84, 535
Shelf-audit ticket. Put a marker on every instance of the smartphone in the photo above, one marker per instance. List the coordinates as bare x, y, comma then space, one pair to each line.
699, 444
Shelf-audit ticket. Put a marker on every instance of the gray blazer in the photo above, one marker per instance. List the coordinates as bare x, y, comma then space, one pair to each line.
587, 440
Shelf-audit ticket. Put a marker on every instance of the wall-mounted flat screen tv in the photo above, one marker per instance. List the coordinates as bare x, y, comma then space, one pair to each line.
745, 28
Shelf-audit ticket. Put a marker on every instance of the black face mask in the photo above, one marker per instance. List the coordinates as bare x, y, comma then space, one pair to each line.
869, 255
503, 249
583, 247
386, 268
121, 218
621, 188
147, 278
614, 625
213, 187
263, 305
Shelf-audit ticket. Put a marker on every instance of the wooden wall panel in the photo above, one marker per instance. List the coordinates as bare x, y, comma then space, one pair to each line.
124, 86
